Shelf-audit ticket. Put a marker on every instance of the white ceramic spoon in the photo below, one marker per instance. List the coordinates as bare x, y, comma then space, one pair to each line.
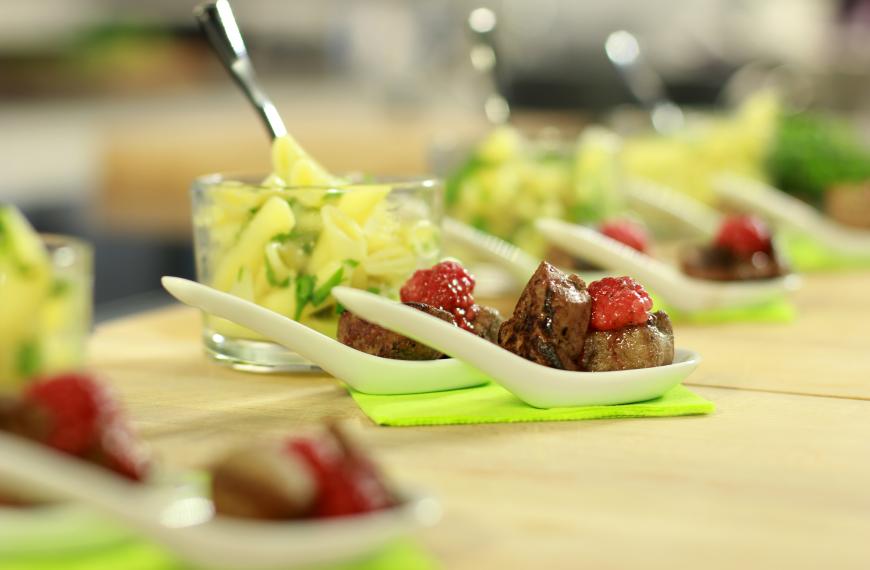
517, 262
789, 211
537, 385
190, 530
363, 372
700, 218
676, 289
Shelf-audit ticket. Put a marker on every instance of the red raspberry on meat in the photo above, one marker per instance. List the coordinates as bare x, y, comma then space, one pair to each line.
744, 235
347, 484
447, 286
79, 416
75, 408
628, 232
618, 302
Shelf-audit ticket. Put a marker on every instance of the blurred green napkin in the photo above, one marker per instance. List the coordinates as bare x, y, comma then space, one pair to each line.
776, 311
141, 555
493, 404
808, 254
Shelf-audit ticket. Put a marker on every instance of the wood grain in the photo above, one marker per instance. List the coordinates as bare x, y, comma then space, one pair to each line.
770, 480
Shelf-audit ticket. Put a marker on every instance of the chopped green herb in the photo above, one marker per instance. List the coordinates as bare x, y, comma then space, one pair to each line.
351, 262
304, 289
454, 182
60, 287
321, 293
308, 247
29, 359
272, 278
374, 290
240, 274
339, 309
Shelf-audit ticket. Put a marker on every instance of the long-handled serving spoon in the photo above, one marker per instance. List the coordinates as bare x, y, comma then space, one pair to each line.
537, 385
363, 372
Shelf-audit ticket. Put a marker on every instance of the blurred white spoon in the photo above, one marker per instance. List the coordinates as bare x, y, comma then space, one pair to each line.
700, 218
363, 372
188, 527
786, 210
517, 262
537, 385
675, 288
506, 255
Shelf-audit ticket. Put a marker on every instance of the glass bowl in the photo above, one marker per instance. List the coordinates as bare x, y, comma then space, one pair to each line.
53, 338
285, 248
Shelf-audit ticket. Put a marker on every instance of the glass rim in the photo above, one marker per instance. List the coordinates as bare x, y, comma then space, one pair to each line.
253, 182
65, 240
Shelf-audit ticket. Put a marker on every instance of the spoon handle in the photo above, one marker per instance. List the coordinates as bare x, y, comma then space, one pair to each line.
220, 28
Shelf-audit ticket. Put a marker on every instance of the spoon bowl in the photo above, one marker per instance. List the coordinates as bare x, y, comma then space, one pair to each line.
676, 289
789, 211
536, 385
189, 528
361, 371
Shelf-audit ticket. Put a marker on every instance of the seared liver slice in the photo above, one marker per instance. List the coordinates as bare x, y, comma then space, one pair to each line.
550, 320
487, 323
640, 346
362, 335
719, 264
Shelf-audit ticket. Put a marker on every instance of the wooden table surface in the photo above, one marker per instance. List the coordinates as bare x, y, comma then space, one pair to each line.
779, 475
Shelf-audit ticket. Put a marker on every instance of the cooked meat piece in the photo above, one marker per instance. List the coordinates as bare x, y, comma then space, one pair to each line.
849, 204
550, 320
640, 346
368, 337
719, 264
263, 482
487, 323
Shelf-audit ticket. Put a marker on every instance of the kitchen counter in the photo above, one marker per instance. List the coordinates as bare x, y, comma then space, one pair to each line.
778, 475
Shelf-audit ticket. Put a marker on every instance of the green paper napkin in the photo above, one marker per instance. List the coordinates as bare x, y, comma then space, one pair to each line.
807, 254
140, 555
493, 404
776, 311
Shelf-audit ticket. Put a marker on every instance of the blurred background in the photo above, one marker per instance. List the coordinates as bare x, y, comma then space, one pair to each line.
109, 108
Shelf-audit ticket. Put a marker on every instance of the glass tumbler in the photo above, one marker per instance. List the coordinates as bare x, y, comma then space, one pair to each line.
285, 248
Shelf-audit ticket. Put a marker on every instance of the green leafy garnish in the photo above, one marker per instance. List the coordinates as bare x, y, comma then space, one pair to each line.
321, 293
812, 153
272, 278
60, 287
304, 289
28, 359
454, 182
339, 309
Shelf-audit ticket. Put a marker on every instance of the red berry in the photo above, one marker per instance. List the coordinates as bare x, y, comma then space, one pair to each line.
81, 418
744, 235
628, 232
618, 302
347, 483
75, 407
447, 286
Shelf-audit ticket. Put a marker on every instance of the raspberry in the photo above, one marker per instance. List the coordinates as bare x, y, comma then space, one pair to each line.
447, 286
80, 417
628, 232
75, 406
618, 302
744, 235
348, 483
